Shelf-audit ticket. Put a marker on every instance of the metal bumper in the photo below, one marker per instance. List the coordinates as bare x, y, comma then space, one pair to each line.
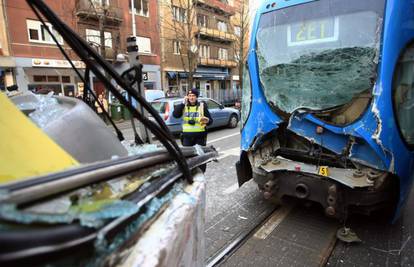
337, 198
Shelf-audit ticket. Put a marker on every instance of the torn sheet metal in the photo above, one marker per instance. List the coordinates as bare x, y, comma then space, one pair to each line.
337, 139
91, 205
177, 237
343, 176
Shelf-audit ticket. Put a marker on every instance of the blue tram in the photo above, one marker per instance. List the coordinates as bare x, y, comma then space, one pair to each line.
328, 104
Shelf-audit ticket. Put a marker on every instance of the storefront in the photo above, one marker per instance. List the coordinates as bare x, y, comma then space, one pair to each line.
7, 66
42, 75
151, 75
212, 82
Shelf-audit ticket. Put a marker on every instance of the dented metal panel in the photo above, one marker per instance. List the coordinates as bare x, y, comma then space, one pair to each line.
344, 176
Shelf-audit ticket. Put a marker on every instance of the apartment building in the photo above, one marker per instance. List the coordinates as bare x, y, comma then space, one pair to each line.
38, 61
212, 43
148, 35
7, 63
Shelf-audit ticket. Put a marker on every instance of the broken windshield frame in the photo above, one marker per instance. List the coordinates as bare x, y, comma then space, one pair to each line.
319, 55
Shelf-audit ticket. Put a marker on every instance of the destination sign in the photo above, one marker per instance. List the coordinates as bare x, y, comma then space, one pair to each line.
312, 32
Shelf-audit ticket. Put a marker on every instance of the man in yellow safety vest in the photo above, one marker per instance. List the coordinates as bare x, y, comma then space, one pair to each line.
195, 119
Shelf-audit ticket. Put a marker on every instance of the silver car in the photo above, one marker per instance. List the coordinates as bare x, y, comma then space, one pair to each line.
221, 115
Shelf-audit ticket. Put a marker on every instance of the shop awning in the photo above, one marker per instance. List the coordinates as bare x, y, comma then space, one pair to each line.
68, 72
7, 62
205, 76
171, 74
183, 75
203, 73
41, 72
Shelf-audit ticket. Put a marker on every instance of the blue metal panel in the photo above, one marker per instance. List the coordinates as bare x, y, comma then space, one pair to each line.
262, 119
398, 32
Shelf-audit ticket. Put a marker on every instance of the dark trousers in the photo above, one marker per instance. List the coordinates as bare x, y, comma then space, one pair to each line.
102, 116
192, 139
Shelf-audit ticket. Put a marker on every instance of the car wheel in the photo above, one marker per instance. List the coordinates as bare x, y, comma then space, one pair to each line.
233, 121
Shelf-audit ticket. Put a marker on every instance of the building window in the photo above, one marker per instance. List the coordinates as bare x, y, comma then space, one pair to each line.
100, 2
222, 26
179, 14
65, 79
202, 20
94, 37
38, 32
223, 84
223, 54
39, 78
237, 56
144, 45
237, 30
204, 51
53, 79
141, 7
176, 47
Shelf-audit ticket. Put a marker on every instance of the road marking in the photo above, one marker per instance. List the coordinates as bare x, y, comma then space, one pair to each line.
229, 152
231, 189
222, 138
272, 223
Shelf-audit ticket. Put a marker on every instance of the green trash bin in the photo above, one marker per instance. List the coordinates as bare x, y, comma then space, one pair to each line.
116, 112
125, 113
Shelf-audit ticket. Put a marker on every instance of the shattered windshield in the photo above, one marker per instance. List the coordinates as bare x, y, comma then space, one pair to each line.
319, 55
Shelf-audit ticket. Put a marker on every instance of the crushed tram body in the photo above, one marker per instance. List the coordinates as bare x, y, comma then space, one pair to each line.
327, 104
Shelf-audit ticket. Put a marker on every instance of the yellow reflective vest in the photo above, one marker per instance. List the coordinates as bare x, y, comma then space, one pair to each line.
193, 113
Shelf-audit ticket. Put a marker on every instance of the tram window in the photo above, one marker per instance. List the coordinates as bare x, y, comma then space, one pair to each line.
404, 94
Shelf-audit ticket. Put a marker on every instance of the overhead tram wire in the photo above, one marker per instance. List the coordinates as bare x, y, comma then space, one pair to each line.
85, 52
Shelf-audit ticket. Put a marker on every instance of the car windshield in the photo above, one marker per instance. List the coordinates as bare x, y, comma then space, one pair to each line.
321, 54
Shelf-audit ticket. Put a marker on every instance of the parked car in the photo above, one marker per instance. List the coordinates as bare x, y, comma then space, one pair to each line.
221, 115
151, 95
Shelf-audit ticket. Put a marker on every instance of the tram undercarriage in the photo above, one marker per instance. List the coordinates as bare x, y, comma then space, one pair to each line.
297, 168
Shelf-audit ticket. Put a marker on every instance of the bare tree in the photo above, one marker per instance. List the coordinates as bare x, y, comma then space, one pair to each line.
241, 24
100, 11
179, 23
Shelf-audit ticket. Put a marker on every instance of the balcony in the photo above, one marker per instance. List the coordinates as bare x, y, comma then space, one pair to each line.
217, 62
218, 6
85, 9
216, 34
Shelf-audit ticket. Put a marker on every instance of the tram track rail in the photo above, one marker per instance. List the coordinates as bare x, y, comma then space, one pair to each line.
288, 235
243, 236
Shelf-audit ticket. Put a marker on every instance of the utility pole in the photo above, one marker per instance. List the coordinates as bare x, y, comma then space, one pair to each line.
134, 28
136, 67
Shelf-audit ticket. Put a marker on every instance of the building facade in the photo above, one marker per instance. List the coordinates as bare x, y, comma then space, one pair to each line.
7, 63
104, 24
212, 42
39, 63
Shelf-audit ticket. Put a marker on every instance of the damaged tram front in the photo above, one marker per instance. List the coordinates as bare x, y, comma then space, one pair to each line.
328, 103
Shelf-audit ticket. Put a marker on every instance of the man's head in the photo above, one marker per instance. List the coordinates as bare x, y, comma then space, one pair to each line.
192, 95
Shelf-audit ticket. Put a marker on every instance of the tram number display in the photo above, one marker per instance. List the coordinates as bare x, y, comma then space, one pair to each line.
312, 32
323, 171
